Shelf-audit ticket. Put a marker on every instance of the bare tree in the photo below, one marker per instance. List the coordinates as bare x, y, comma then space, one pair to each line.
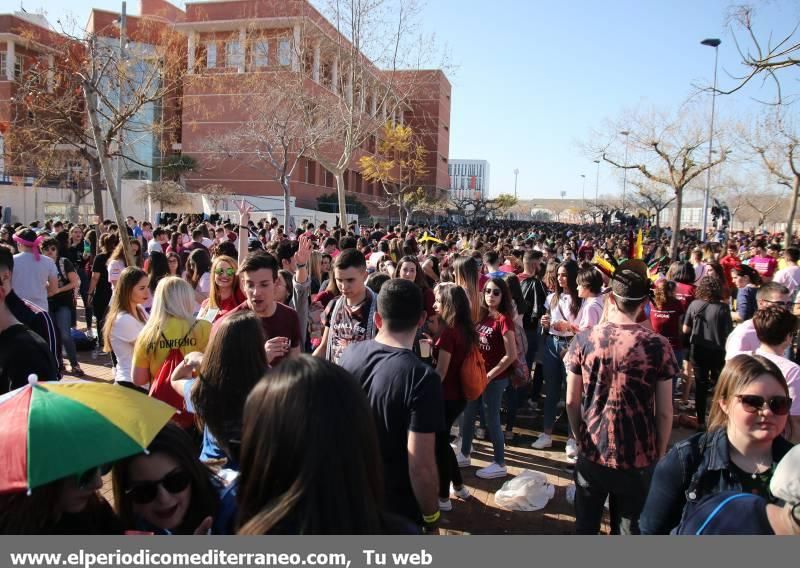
776, 141
763, 58
377, 57
475, 208
215, 193
665, 148
764, 204
653, 199
166, 193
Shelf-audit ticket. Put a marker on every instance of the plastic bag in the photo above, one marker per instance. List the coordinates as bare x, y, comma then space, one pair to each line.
528, 491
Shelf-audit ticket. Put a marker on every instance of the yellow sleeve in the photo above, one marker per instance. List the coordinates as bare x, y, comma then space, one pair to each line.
140, 358
202, 331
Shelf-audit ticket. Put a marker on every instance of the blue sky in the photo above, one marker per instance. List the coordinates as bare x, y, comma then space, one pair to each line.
533, 78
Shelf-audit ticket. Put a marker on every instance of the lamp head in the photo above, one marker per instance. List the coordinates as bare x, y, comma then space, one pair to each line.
711, 42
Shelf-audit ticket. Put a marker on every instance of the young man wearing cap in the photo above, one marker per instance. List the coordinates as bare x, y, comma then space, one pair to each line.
619, 403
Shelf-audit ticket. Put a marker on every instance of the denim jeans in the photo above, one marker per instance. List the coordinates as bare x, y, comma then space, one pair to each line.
62, 316
554, 376
626, 489
491, 399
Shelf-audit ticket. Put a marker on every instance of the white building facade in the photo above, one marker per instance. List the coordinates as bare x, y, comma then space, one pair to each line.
468, 179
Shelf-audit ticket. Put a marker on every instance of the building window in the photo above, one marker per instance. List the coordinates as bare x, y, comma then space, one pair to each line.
284, 52
3, 61
233, 54
211, 54
261, 53
18, 66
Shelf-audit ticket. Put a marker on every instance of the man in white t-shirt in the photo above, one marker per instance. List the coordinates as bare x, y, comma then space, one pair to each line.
775, 327
35, 276
743, 338
790, 276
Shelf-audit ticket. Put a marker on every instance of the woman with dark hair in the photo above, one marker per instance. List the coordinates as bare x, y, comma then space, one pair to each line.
198, 274
157, 268
559, 324
174, 264
168, 490
499, 349
175, 244
708, 324
117, 261
297, 477
125, 321
409, 269
79, 253
739, 452
61, 304
666, 317
747, 281
516, 395
452, 346
234, 361
99, 286
284, 287
72, 505
682, 273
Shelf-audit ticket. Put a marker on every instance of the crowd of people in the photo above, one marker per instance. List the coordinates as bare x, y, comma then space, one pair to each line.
319, 374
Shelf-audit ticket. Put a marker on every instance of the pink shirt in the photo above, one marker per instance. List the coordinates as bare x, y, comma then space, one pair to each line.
743, 339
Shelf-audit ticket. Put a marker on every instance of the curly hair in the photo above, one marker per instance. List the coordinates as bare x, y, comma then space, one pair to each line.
709, 289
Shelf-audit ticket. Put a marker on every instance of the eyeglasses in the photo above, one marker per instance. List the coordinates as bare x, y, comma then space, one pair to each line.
493, 292
228, 271
146, 491
787, 304
752, 403
86, 479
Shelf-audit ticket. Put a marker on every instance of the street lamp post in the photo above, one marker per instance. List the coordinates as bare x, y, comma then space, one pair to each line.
516, 175
597, 183
710, 42
626, 134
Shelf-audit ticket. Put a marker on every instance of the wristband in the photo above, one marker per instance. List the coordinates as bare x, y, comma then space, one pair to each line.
302, 265
431, 519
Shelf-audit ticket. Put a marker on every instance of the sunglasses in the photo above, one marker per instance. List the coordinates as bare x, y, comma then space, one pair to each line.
146, 491
493, 292
228, 271
86, 479
752, 403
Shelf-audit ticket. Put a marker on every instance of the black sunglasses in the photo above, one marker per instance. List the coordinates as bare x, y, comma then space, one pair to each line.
86, 479
146, 491
493, 291
752, 403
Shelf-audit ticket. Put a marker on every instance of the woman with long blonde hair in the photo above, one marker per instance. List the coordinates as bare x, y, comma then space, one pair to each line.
225, 292
315, 271
125, 320
171, 325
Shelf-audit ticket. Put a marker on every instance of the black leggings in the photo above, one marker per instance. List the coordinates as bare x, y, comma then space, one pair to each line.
708, 364
100, 310
445, 457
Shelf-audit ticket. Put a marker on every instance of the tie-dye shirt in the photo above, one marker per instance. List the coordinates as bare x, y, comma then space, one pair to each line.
620, 366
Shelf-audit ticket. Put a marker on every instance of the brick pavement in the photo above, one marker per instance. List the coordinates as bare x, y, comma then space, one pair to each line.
479, 514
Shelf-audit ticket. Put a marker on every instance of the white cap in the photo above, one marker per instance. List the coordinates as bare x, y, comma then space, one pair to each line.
785, 484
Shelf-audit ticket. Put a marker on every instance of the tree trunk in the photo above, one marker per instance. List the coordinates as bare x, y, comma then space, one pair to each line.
400, 212
676, 229
787, 239
97, 185
341, 193
105, 166
287, 203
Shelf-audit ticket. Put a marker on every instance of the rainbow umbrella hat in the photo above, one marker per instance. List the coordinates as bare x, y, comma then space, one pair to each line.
52, 430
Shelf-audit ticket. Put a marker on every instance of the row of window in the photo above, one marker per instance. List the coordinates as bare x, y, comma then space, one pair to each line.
259, 53
467, 182
466, 170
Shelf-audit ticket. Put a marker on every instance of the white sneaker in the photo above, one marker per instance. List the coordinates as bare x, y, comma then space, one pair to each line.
542, 442
462, 493
571, 449
463, 461
445, 505
492, 471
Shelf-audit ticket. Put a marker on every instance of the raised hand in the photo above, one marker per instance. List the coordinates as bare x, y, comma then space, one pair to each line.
303, 253
244, 212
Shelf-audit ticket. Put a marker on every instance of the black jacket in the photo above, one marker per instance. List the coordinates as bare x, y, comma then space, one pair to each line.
535, 295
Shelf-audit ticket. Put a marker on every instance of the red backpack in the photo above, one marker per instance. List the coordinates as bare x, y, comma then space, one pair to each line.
473, 374
162, 390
